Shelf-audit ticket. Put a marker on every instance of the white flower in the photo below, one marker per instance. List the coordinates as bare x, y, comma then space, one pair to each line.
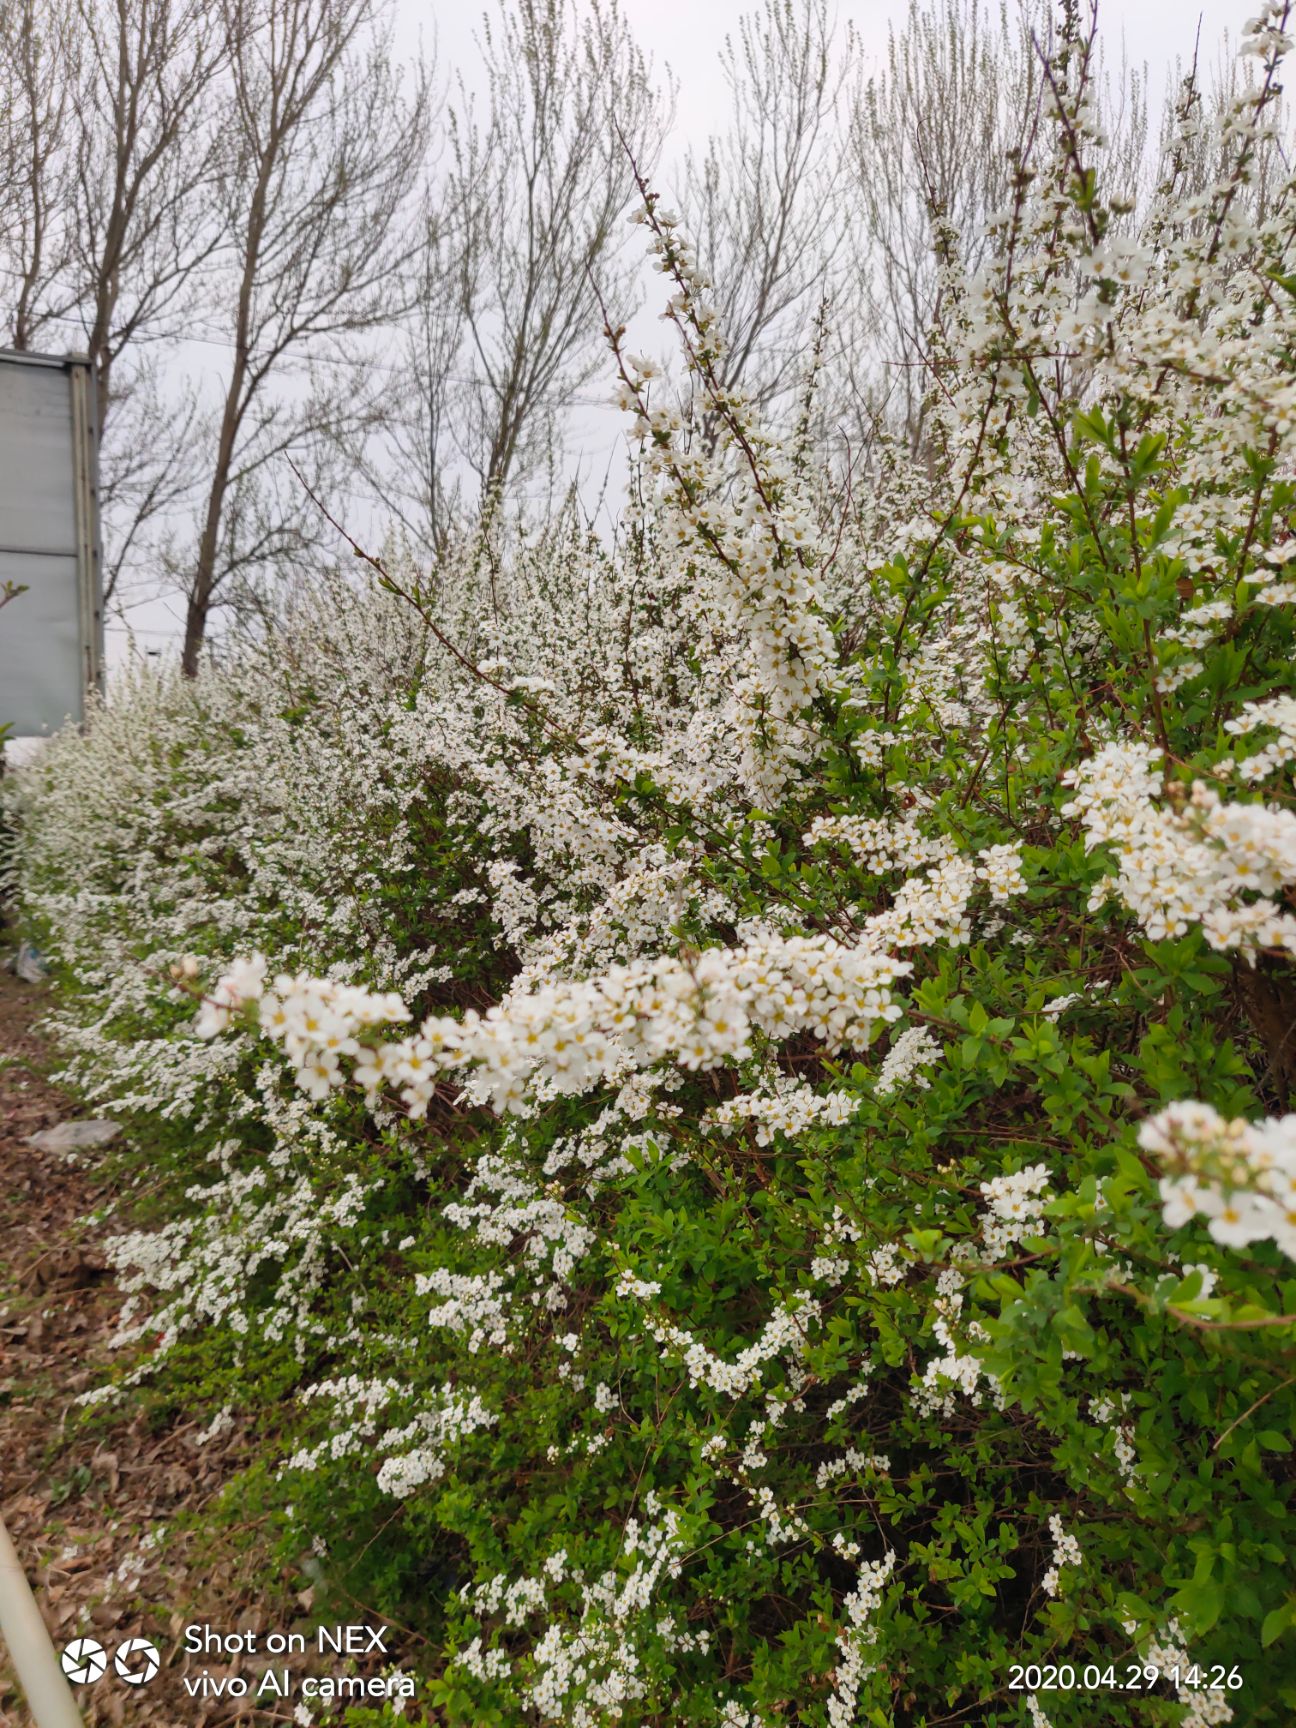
1240, 1176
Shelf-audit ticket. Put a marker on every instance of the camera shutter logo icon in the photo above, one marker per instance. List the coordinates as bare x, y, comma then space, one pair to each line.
84, 1661
137, 1661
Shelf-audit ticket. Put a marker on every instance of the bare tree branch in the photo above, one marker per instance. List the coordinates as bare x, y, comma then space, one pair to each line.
322, 146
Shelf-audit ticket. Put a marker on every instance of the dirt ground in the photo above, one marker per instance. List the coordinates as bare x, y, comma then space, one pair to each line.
108, 1522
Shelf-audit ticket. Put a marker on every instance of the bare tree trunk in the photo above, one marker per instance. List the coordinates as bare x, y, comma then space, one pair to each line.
205, 578
199, 599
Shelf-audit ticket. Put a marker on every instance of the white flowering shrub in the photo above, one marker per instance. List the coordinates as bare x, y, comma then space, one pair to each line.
722, 1099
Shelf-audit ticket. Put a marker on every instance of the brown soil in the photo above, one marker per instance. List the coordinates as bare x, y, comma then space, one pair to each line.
110, 1516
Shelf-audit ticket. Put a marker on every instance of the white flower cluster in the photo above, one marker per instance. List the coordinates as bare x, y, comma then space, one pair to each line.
415, 1452
784, 1334
571, 1037
1109, 1414
1207, 1706
1240, 1176
1278, 714
884, 1265
914, 1049
584, 1674
1000, 869
1015, 1208
1066, 1552
789, 1107
831, 1264
283, 1215
505, 1203
485, 1665
957, 1370
931, 905
475, 1305
881, 844
782, 1524
1207, 863
852, 1396
854, 1641
1265, 34
851, 1462
934, 907
751, 535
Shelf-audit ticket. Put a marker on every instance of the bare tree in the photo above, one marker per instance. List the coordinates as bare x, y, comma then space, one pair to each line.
934, 141
38, 73
105, 149
1197, 145
540, 188
147, 467
764, 198
508, 323
145, 154
930, 139
321, 147
418, 467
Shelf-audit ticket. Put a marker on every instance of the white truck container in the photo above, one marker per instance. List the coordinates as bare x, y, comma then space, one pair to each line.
51, 632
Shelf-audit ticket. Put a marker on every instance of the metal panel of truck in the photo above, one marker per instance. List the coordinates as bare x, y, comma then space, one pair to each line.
51, 635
